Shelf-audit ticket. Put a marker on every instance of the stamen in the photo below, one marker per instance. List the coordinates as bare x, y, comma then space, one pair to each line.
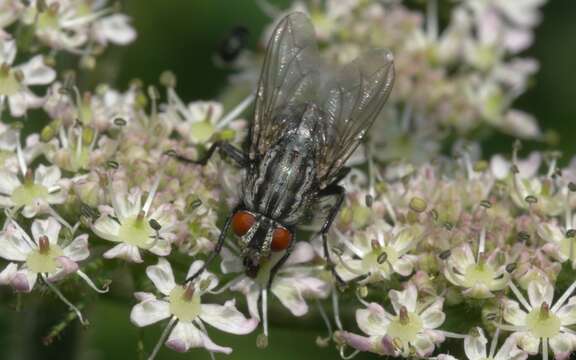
560, 302
167, 330
20, 157
64, 300
43, 244
227, 286
432, 20
151, 195
91, 283
324, 317
545, 349
494, 343
234, 113
348, 357
403, 315
519, 296
188, 292
265, 311
481, 244
336, 309
544, 311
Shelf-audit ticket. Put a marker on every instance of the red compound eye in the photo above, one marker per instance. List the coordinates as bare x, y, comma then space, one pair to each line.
242, 221
281, 239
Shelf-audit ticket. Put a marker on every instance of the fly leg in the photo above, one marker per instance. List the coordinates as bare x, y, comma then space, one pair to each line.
280, 263
216, 250
339, 193
225, 148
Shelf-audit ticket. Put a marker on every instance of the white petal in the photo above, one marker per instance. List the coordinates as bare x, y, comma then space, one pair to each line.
406, 298
8, 273
124, 251
161, 248
290, 296
162, 276
107, 228
49, 227
8, 182
227, 318
12, 246
185, 336
23, 280
433, 316
149, 312
424, 345
373, 320
540, 292
78, 249
22, 101
562, 344
116, 29
47, 176
510, 351
36, 72
303, 252
475, 345
513, 314
230, 263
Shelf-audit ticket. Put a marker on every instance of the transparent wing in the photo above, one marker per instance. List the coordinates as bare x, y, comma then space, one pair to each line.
289, 76
353, 100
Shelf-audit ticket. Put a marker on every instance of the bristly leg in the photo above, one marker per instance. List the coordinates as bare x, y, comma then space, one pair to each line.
338, 192
225, 148
217, 249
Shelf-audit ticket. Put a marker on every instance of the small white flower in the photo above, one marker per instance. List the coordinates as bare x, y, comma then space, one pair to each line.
541, 321
481, 276
380, 252
15, 80
182, 304
40, 255
412, 327
200, 121
135, 226
35, 192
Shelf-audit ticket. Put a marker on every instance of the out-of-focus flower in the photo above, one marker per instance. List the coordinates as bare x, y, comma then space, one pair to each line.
15, 80
182, 304
35, 192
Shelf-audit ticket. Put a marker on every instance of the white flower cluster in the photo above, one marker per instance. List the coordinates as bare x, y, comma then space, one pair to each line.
436, 256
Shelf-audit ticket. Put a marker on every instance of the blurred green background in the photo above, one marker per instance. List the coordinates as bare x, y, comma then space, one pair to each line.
182, 36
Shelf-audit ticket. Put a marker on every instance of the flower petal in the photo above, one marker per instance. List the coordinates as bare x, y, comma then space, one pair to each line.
162, 276
49, 227
107, 228
290, 296
149, 312
78, 249
185, 336
227, 318
124, 251
475, 345
36, 72
373, 320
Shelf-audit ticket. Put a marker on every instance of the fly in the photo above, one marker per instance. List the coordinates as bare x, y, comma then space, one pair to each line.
305, 127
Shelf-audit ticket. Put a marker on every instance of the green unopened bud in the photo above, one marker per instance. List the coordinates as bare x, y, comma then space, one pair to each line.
88, 135
153, 92
481, 166
486, 204
418, 204
88, 62
362, 292
168, 79
48, 133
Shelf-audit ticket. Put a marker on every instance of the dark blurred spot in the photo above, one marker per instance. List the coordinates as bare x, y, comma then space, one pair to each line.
233, 44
